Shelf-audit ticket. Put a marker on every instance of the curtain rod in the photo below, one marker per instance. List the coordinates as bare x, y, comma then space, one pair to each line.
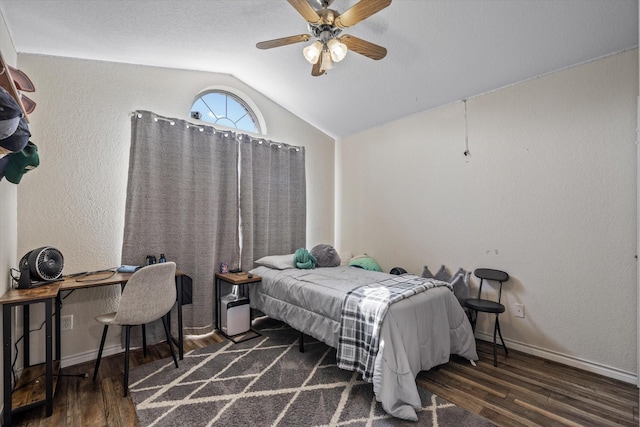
201, 128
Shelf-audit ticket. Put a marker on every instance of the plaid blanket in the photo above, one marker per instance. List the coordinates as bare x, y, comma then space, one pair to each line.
363, 311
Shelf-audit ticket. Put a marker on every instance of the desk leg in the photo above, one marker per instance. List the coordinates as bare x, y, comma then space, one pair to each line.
6, 360
26, 342
58, 327
216, 302
180, 333
48, 356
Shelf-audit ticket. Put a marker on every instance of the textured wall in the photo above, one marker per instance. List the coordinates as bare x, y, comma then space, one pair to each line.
75, 199
548, 194
8, 198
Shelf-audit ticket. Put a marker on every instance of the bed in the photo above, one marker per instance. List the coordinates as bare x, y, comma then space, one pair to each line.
417, 333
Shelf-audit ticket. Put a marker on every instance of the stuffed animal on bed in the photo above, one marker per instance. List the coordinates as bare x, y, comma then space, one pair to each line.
303, 259
366, 262
326, 255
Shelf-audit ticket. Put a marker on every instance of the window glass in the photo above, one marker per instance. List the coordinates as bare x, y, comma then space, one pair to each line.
225, 109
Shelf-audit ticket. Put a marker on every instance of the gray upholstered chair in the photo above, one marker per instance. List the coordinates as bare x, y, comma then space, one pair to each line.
149, 295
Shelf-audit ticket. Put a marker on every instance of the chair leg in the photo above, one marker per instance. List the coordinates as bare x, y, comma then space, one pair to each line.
104, 337
496, 328
144, 340
127, 329
166, 331
500, 333
495, 353
473, 318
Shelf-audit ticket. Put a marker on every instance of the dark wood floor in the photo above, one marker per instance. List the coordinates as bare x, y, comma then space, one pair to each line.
526, 390
522, 391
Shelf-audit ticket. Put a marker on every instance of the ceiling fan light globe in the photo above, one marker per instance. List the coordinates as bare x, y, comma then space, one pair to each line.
327, 63
312, 52
338, 50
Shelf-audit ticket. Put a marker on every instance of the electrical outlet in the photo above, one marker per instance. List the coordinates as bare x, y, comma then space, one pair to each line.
518, 310
66, 322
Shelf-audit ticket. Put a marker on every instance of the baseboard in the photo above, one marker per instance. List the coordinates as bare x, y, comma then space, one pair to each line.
77, 359
90, 356
597, 368
607, 371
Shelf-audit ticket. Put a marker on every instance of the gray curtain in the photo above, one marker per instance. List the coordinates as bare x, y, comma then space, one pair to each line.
182, 201
273, 199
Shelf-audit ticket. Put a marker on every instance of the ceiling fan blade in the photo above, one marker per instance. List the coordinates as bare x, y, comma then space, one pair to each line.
364, 47
283, 41
360, 11
316, 69
304, 8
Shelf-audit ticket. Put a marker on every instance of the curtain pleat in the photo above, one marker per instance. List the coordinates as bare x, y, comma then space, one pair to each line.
273, 199
182, 201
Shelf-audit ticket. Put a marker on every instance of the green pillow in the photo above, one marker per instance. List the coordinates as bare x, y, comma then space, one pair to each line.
366, 262
303, 259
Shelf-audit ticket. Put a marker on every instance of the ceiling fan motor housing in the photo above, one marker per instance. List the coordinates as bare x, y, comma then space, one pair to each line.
324, 32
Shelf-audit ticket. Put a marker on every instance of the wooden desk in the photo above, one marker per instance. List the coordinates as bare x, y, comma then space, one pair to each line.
105, 279
35, 396
38, 395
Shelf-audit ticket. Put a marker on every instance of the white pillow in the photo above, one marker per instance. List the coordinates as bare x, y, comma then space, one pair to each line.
279, 262
345, 257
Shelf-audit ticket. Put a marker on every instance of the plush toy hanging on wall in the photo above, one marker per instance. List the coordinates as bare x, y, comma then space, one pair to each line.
20, 154
10, 119
15, 165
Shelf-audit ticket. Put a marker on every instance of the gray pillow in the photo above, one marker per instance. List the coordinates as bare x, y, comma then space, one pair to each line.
325, 255
460, 284
443, 274
426, 273
453, 276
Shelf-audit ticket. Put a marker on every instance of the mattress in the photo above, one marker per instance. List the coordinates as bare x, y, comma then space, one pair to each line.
417, 333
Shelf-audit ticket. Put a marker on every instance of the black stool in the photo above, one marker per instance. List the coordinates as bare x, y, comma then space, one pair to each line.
488, 306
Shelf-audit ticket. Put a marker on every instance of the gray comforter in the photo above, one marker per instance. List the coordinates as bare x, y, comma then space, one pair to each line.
417, 333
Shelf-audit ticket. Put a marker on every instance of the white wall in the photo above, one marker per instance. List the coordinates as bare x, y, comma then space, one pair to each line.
548, 194
75, 199
8, 199
638, 214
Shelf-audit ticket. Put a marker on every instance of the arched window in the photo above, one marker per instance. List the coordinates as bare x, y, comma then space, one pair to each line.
221, 107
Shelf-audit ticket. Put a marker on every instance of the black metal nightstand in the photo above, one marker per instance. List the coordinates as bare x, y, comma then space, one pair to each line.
242, 280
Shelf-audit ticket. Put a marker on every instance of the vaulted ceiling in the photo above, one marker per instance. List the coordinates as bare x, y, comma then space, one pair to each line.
439, 51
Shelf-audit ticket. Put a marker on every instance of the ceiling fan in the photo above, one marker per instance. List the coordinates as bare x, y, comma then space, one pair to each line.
325, 26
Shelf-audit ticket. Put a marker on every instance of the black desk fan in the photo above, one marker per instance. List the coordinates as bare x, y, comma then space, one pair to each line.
40, 266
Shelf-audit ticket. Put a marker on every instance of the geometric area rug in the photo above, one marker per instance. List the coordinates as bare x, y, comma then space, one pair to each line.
266, 381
